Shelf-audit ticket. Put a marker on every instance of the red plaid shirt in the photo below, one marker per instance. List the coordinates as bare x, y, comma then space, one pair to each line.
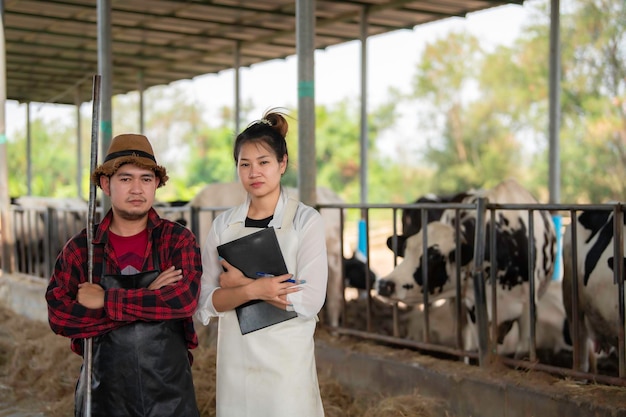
177, 246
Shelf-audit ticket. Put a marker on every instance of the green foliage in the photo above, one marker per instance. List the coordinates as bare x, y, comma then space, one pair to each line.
485, 125
469, 144
338, 148
210, 157
593, 124
53, 166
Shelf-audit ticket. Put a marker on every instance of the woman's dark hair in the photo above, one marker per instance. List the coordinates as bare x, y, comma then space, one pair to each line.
270, 130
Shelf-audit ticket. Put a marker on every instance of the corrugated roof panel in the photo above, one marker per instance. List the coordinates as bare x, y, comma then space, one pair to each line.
51, 45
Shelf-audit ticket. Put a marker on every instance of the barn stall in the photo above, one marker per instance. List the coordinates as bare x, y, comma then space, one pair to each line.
367, 362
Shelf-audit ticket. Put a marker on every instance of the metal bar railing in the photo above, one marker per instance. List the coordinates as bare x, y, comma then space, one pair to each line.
32, 252
531, 208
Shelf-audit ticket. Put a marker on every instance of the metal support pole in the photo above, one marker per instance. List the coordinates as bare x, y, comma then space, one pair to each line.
480, 299
105, 64
305, 45
237, 87
364, 129
29, 153
6, 223
554, 110
618, 270
237, 69
532, 285
142, 111
79, 148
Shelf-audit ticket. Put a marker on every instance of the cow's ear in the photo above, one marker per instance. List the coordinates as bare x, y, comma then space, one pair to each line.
611, 261
467, 254
401, 244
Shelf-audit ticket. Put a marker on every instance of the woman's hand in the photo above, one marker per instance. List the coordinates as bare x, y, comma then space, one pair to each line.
274, 289
232, 277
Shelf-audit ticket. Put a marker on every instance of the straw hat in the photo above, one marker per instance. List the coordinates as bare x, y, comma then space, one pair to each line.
129, 149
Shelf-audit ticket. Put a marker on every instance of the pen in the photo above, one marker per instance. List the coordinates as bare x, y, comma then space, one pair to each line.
265, 274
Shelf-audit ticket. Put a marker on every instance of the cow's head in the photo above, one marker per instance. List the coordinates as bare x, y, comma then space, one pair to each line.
412, 223
406, 281
356, 273
412, 218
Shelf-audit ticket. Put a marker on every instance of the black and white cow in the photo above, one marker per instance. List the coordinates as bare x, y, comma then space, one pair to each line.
551, 331
405, 282
598, 302
355, 272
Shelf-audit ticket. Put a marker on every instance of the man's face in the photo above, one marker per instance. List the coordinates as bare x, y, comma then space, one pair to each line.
132, 191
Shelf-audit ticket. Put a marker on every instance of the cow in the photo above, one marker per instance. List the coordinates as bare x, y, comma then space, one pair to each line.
598, 295
411, 218
215, 198
405, 282
551, 328
441, 323
354, 272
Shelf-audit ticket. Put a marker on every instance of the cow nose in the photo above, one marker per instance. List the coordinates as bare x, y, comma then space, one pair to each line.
386, 288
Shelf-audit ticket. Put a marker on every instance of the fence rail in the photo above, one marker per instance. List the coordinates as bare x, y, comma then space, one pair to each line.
41, 233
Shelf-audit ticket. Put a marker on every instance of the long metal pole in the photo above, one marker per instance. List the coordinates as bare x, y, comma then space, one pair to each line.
364, 125
237, 69
79, 145
554, 110
7, 238
480, 300
305, 46
95, 120
29, 153
105, 69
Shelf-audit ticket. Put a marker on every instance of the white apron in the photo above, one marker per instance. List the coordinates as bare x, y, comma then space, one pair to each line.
270, 372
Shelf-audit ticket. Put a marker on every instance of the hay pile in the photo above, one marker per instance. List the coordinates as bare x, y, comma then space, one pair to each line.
38, 373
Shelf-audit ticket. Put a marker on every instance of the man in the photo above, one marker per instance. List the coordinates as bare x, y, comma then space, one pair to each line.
138, 310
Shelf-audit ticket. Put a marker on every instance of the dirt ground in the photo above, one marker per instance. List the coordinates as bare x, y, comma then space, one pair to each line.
38, 374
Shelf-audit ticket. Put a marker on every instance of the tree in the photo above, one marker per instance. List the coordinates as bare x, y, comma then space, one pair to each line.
486, 114
53, 167
338, 148
593, 101
468, 145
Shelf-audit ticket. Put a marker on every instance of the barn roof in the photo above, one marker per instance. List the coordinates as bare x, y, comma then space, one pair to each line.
52, 45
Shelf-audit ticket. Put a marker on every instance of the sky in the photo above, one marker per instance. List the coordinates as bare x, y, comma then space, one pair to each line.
392, 58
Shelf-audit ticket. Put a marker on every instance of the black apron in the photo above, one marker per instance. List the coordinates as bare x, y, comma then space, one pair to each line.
141, 369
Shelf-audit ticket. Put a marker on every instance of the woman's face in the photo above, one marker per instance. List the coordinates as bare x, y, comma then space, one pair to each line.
259, 170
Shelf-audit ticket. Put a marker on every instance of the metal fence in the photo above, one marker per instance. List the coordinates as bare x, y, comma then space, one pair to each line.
485, 212
41, 233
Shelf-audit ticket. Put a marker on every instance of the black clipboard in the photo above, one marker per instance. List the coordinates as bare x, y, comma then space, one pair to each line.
251, 254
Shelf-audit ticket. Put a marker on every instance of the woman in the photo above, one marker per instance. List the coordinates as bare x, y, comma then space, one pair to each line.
269, 372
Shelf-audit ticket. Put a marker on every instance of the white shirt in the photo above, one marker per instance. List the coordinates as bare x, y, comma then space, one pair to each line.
311, 258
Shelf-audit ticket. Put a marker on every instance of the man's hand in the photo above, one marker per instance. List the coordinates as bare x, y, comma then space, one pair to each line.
90, 295
168, 277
